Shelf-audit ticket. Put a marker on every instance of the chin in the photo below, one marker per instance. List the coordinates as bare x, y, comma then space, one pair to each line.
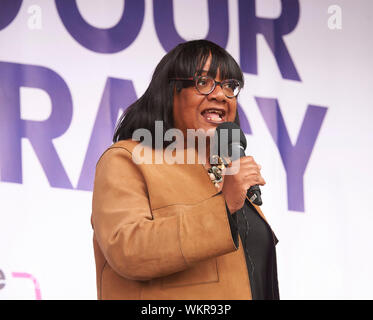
209, 129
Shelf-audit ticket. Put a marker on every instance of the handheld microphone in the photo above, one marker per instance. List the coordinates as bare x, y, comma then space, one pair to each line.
230, 141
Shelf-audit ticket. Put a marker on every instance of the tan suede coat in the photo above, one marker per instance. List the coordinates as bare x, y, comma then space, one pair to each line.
161, 232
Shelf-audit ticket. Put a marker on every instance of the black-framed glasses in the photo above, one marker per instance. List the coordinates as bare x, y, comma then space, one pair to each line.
206, 84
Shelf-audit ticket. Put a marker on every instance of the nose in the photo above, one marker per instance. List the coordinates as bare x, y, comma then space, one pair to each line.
217, 94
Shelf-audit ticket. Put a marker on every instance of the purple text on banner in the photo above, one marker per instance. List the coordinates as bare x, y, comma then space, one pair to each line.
8, 11
294, 157
166, 30
118, 95
273, 31
109, 40
13, 76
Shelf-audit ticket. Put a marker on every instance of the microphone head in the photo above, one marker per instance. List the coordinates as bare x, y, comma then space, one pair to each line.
228, 134
230, 141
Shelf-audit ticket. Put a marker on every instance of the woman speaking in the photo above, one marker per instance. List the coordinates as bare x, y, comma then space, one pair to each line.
180, 230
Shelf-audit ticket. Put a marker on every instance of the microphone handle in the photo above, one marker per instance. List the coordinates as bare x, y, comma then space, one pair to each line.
254, 193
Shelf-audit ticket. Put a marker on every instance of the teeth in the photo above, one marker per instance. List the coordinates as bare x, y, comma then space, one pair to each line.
211, 119
219, 112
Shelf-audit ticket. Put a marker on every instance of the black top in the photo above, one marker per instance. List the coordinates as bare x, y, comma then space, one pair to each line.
258, 242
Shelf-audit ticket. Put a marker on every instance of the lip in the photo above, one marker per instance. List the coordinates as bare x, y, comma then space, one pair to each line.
213, 121
223, 118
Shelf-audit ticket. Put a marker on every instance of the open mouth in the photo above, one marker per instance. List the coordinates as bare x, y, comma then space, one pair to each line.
214, 115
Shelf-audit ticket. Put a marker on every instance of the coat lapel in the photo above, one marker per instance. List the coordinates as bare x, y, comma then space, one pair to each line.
259, 211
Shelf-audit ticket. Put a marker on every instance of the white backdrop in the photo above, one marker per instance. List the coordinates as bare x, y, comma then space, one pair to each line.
325, 104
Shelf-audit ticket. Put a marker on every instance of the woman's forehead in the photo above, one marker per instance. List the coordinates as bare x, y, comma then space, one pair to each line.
213, 64
207, 72
212, 67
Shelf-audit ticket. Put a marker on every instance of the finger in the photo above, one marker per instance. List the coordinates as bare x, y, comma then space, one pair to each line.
262, 181
254, 179
246, 163
254, 171
249, 158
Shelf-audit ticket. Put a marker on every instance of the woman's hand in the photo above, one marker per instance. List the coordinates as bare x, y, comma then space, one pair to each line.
235, 186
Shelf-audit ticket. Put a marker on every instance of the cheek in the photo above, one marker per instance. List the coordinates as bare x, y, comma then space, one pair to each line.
188, 106
232, 111
183, 112
178, 117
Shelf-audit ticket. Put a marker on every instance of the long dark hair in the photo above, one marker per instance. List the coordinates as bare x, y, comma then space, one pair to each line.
157, 102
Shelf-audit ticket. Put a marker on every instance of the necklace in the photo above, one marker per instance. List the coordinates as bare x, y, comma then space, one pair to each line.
216, 170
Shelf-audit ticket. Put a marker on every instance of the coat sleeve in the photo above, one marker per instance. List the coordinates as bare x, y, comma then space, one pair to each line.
137, 245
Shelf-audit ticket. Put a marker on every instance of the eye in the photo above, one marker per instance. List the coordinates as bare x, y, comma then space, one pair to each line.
231, 87
203, 81
231, 84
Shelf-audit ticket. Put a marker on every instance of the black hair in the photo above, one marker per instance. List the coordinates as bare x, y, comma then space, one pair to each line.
185, 60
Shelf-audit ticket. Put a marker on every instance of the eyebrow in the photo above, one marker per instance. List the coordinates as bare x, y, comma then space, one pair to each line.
202, 72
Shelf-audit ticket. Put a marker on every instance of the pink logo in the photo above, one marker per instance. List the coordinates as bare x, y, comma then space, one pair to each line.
32, 278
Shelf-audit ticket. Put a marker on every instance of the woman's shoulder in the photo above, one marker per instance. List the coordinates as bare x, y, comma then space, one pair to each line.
139, 152
127, 145
121, 149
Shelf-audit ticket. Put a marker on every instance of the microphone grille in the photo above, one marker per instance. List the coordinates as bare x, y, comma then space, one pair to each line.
228, 128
